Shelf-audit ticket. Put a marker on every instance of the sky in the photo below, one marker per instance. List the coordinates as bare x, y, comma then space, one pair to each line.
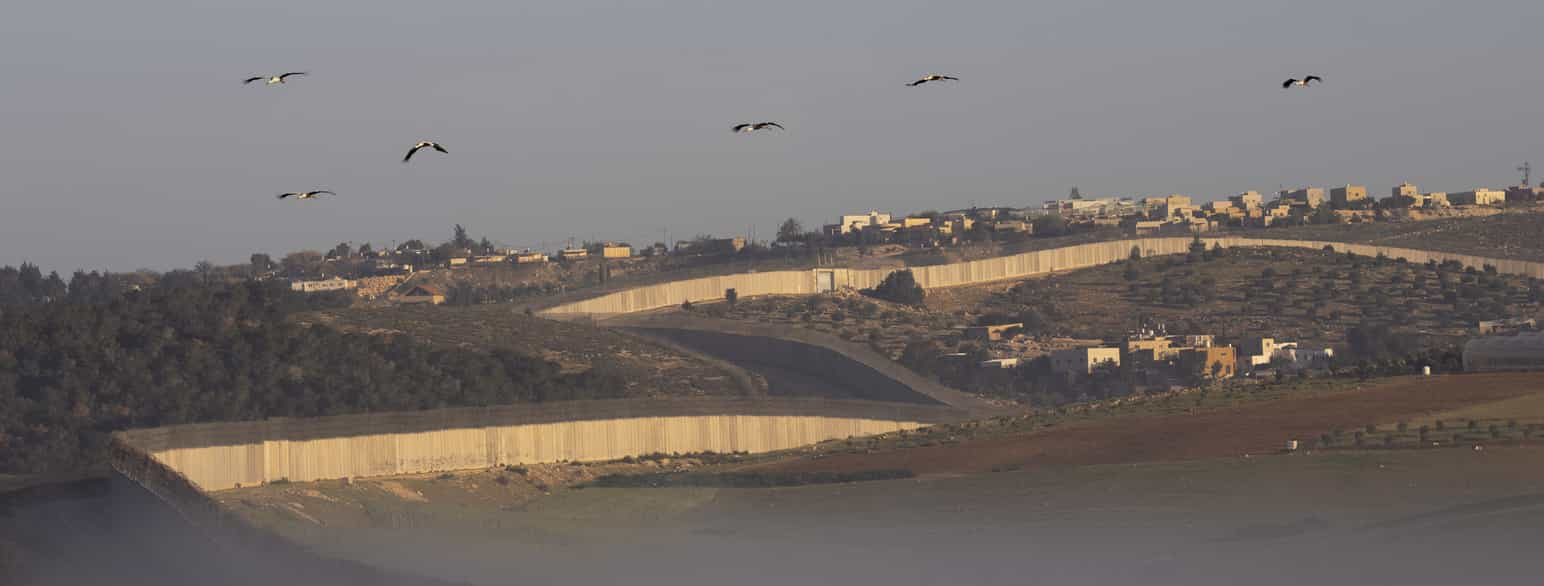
130, 142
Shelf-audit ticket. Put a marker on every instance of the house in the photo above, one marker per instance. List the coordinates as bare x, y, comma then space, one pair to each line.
1176, 206
1257, 351
1477, 197
1509, 325
1210, 362
333, 284
529, 257
1405, 189
1248, 200
711, 246
613, 250
1151, 347
1012, 226
1142, 227
992, 333
853, 222
425, 293
456, 262
1000, 363
1348, 194
1308, 196
1298, 358
1436, 199
574, 254
916, 222
1083, 361
488, 259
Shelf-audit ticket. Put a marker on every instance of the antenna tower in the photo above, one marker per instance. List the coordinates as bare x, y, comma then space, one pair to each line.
1527, 170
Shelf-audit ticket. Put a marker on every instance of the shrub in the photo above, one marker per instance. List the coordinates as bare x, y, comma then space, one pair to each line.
898, 287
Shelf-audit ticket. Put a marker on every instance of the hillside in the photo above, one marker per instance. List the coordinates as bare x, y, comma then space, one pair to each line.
1513, 234
1315, 297
649, 369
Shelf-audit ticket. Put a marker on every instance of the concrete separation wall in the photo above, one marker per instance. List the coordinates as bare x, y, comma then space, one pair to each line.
179, 463
1018, 266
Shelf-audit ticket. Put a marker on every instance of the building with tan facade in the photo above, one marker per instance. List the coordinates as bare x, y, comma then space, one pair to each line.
1083, 361
1477, 197
1348, 194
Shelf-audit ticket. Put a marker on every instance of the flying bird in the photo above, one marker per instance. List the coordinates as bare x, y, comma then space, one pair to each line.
931, 77
427, 144
306, 194
273, 80
1301, 82
739, 128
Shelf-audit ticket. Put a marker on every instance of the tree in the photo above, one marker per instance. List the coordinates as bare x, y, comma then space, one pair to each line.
1075, 194
342, 251
731, 296
205, 270
300, 263
1135, 254
790, 231
1324, 215
899, 287
1051, 225
485, 246
261, 263
459, 239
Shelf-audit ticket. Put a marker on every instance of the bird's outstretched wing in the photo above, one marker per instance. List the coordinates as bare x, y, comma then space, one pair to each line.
1313, 78
410, 153
772, 124
284, 195
252, 79
321, 191
947, 77
917, 83
439, 148
1288, 83
739, 127
281, 78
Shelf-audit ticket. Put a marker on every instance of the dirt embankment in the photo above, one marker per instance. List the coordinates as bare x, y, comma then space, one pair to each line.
1252, 428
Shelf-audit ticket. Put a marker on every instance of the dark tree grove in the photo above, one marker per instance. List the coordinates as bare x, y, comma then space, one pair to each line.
898, 287
90, 361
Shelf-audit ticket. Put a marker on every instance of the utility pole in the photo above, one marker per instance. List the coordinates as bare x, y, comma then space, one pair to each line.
1527, 170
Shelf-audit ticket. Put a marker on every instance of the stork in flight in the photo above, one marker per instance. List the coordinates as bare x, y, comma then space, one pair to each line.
931, 77
742, 128
306, 194
272, 80
1301, 82
426, 144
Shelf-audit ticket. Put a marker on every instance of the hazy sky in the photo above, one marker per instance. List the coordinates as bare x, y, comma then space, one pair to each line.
130, 142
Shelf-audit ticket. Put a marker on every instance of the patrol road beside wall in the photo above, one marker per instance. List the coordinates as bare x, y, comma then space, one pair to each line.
1017, 266
177, 461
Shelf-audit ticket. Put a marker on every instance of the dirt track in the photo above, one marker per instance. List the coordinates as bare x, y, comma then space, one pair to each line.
1255, 428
